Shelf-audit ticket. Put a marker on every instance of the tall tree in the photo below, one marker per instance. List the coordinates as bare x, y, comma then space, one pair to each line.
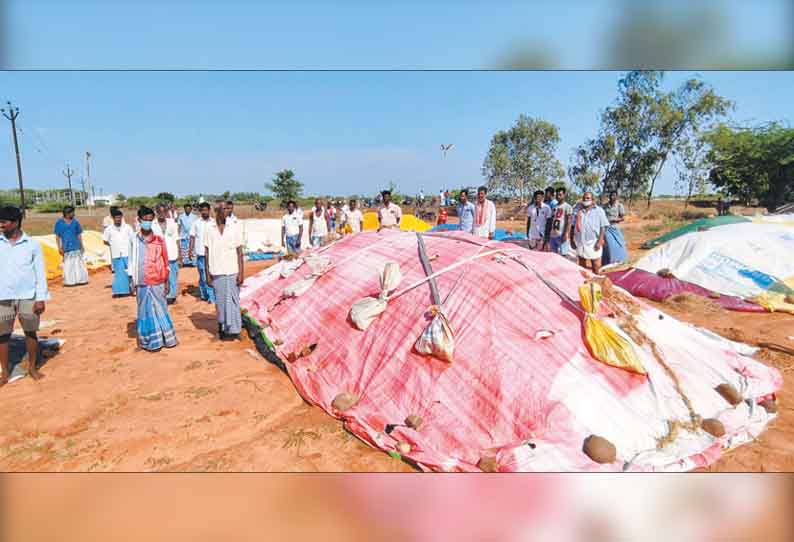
285, 186
522, 158
680, 116
753, 163
692, 168
642, 129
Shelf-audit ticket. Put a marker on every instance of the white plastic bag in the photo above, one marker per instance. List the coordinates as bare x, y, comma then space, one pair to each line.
364, 311
288, 267
437, 339
318, 264
299, 287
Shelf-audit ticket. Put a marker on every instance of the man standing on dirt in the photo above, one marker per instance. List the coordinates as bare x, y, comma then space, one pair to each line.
149, 270
69, 234
185, 221
465, 212
484, 215
167, 229
223, 249
354, 219
389, 214
538, 214
23, 290
559, 233
549, 200
589, 231
292, 228
119, 236
318, 224
206, 293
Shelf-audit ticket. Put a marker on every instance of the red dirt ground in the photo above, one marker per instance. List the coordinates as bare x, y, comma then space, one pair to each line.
209, 406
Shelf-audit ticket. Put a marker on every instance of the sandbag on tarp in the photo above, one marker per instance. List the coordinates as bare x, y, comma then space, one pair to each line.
697, 225
749, 260
652, 286
524, 392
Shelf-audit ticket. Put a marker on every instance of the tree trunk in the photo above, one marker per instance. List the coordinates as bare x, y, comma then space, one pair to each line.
653, 181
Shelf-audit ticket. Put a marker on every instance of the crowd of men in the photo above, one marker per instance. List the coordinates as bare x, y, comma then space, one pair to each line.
147, 253
587, 229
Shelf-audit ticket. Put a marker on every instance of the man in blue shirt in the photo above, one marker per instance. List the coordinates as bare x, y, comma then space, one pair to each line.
69, 234
466, 213
185, 221
23, 289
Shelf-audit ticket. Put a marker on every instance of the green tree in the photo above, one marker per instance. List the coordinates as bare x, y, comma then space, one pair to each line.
753, 163
692, 168
522, 158
285, 186
642, 130
165, 196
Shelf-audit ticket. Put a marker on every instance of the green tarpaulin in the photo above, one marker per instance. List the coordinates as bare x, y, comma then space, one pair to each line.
706, 223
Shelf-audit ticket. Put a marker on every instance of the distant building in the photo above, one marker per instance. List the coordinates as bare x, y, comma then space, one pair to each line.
107, 199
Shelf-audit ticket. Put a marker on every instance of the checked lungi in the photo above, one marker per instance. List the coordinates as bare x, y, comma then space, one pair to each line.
154, 325
227, 303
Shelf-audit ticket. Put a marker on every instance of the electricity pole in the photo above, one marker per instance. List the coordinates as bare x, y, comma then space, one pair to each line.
12, 114
68, 172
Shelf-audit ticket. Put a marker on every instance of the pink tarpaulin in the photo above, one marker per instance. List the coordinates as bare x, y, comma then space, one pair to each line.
651, 286
523, 386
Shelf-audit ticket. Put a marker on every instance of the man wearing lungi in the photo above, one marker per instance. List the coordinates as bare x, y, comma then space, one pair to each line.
223, 250
185, 221
118, 236
23, 289
484, 215
69, 234
206, 293
149, 270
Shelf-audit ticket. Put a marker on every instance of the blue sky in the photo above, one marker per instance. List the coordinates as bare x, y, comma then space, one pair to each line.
341, 132
358, 34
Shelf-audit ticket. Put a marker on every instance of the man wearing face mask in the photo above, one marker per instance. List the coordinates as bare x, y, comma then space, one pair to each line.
589, 231
149, 270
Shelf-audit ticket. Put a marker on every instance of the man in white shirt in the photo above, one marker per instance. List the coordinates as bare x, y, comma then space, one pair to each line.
223, 249
230, 216
484, 215
292, 228
168, 229
318, 224
206, 292
538, 213
354, 219
389, 214
118, 236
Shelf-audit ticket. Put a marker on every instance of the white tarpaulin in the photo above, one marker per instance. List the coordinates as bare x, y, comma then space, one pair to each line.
264, 235
749, 260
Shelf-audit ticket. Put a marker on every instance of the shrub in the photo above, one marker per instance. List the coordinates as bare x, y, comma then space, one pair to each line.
50, 207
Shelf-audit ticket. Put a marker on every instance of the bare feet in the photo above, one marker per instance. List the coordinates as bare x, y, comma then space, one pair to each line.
3, 381
35, 375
